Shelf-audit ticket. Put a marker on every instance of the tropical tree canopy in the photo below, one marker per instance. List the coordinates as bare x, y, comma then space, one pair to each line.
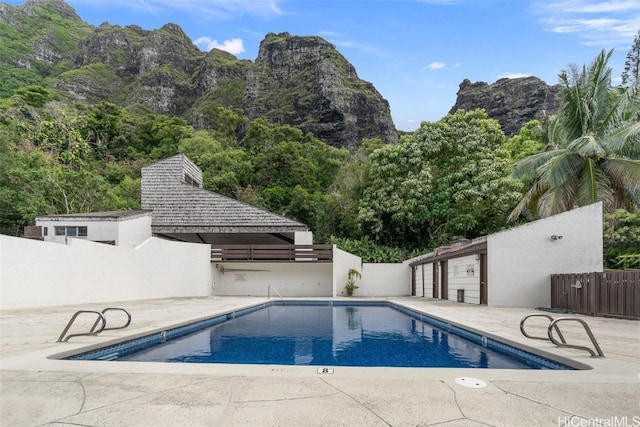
594, 146
450, 179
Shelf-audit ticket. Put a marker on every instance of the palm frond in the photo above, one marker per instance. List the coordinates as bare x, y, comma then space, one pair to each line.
561, 197
625, 141
600, 93
556, 133
596, 141
526, 167
586, 146
625, 176
571, 111
560, 169
593, 185
529, 202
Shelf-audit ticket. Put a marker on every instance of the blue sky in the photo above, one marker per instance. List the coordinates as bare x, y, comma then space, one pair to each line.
415, 52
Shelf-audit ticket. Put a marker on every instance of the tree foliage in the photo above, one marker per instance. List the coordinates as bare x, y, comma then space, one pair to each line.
594, 146
632, 63
530, 140
622, 239
449, 179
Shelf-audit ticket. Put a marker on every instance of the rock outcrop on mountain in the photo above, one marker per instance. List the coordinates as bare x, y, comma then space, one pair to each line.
513, 102
37, 39
306, 82
153, 68
300, 81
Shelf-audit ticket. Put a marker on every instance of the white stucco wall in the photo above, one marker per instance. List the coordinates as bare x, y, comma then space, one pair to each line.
521, 260
464, 273
290, 279
36, 274
128, 232
342, 262
303, 237
385, 280
134, 231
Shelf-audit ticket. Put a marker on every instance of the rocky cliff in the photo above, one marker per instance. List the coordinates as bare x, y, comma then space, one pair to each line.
301, 81
306, 82
37, 40
513, 102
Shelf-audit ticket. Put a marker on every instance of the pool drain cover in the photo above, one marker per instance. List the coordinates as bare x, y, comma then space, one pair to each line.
470, 382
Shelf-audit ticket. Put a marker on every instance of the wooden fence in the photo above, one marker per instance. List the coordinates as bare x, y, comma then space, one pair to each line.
611, 294
272, 253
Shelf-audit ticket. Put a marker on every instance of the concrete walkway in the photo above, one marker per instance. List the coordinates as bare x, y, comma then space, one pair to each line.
36, 391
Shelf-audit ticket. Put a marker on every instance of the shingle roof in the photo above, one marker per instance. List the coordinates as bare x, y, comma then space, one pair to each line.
176, 204
186, 205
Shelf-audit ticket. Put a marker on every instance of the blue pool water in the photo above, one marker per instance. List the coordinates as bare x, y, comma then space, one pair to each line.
325, 334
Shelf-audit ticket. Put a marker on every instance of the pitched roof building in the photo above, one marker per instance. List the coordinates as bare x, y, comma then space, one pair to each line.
183, 210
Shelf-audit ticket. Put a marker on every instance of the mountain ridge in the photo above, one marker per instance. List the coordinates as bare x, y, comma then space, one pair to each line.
302, 81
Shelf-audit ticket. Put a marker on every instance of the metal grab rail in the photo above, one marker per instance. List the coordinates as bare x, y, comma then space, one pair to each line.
114, 327
275, 290
579, 347
539, 338
73, 318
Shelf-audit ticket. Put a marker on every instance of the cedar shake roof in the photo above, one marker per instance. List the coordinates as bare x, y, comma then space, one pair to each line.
172, 189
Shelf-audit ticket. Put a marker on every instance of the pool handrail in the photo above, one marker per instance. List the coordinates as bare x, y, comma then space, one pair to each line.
92, 332
275, 290
539, 338
113, 327
554, 323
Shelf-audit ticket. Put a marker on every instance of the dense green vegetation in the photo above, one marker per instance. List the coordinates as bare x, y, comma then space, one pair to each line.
449, 179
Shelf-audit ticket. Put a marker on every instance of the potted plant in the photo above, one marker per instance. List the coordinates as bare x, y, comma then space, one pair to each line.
352, 275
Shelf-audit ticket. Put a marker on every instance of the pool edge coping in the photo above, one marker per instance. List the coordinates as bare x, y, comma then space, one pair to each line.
563, 360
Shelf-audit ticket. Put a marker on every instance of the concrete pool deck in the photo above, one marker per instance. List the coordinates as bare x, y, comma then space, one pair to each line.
36, 391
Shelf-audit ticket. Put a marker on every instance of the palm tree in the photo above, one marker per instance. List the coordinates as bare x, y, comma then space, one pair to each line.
594, 146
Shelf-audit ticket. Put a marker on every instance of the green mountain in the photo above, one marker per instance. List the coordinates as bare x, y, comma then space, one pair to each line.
300, 81
39, 42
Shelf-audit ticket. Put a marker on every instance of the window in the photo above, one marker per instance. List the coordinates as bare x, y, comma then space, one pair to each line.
71, 231
188, 179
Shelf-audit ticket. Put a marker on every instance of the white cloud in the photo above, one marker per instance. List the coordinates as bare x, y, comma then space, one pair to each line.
216, 9
582, 6
596, 22
338, 40
328, 34
436, 65
511, 75
457, 65
233, 46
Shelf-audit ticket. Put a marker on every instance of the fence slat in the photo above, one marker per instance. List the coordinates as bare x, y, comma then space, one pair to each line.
612, 293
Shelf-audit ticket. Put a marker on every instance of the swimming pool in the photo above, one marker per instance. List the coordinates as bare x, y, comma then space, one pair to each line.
325, 333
